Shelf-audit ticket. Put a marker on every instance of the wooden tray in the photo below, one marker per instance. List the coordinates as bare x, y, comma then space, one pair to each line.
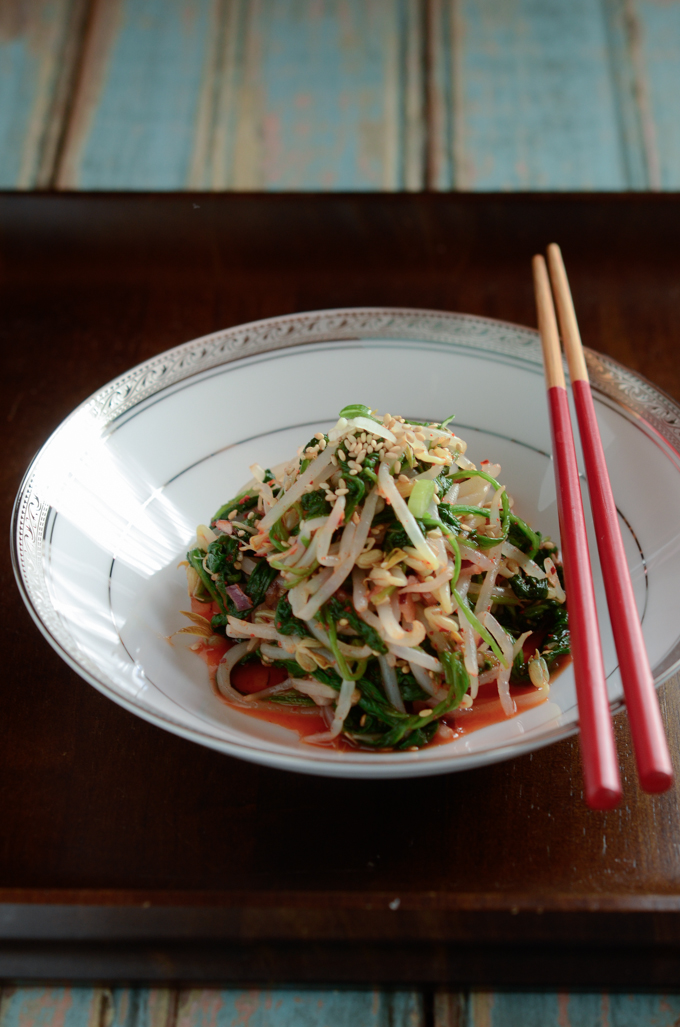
129, 853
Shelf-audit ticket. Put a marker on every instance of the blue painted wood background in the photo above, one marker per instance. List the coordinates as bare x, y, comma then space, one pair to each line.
208, 1007
331, 95
340, 94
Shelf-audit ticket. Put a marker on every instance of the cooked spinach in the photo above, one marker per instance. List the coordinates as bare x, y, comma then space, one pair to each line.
285, 622
246, 501
259, 581
339, 608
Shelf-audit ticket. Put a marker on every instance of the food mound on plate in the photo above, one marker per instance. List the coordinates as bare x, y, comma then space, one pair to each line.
379, 580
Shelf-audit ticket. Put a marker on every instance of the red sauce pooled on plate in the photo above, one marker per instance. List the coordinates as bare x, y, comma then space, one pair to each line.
254, 677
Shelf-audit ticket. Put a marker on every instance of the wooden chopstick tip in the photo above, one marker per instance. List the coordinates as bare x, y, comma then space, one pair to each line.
547, 324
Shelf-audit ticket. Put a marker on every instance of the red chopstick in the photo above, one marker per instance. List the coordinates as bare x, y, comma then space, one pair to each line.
600, 767
649, 738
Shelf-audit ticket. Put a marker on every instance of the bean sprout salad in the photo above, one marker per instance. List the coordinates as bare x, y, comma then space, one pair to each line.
385, 577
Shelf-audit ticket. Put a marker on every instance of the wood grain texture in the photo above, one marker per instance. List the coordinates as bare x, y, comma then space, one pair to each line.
629, 79
657, 41
135, 102
53, 1007
521, 1009
318, 94
39, 45
529, 97
298, 1008
268, 94
340, 94
73, 1006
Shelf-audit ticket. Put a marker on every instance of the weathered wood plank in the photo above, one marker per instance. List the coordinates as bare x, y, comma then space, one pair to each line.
656, 46
528, 96
628, 78
137, 1007
315, 94
248, 94
331, 94
52, 1007
450, 1009
207, 1007
39, 45
296, 1008
135, 107
568, 1010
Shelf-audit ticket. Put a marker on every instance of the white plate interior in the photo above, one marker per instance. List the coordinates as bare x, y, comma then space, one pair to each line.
112, 502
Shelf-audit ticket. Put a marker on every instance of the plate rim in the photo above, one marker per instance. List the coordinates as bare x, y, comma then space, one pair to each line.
626, 388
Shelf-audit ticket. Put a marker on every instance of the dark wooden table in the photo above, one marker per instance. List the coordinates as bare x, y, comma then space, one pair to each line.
128, 853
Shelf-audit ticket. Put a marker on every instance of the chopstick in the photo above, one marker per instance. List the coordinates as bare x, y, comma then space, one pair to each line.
600, 768
654, 765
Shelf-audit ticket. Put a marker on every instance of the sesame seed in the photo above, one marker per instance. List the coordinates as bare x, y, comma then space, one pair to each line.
354, 471
241, 532
397, 468
342, 454
362, 722
341, 483
342, 492
318, 435
322, 444
232, 514
334, 460
343, 622
424, 713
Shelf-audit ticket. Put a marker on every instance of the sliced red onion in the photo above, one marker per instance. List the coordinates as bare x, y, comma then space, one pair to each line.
239, 598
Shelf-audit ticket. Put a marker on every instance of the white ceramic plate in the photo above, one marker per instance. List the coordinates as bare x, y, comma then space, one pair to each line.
110, 503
